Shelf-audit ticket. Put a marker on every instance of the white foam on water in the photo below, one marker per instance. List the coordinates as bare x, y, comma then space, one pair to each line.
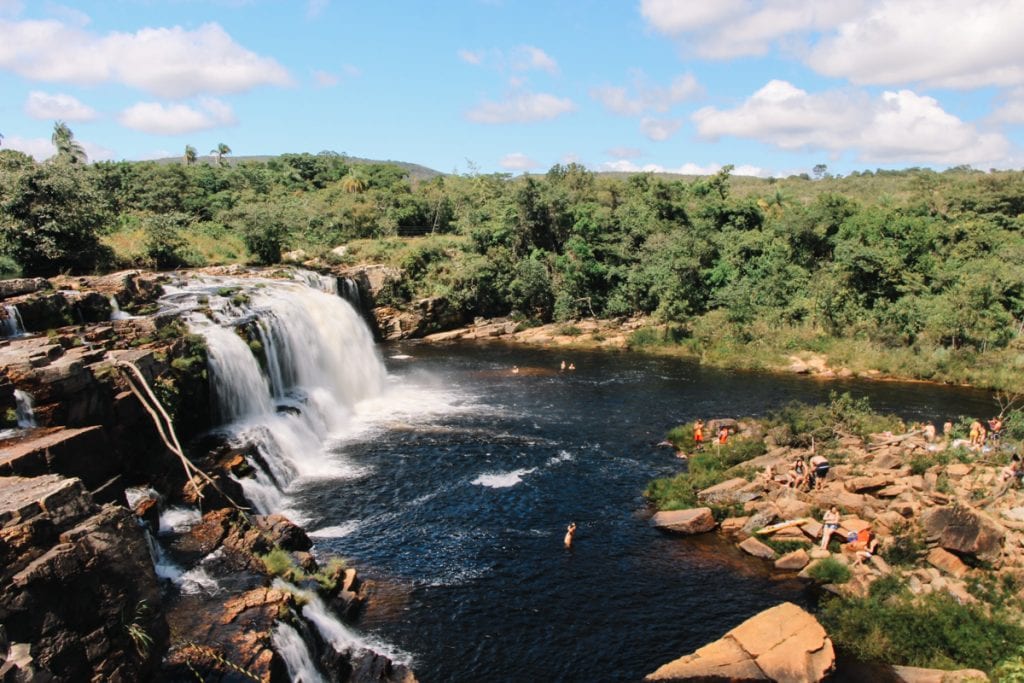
400, 356
336, 531
503, 480
178, 519
563, 456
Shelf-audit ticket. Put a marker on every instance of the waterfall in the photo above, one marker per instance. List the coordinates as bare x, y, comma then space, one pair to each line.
295, 653
292, 384
344, 639
349, 291
23, 409
325, 283
11, 324
115, 310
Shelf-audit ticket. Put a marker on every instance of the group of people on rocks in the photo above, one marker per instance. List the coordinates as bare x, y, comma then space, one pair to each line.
863, 544
978, 434
802, 475
698, 434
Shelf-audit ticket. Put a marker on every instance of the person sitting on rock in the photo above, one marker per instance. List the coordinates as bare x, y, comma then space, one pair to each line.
723, 435
1011, 475
829, 526
868, 549
797, 475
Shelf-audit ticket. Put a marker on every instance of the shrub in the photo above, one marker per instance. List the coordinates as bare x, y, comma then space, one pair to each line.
906, 548
829, 570
704, 469
933, 631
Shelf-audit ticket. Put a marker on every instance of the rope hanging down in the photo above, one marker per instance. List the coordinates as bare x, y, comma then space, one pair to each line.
165, 428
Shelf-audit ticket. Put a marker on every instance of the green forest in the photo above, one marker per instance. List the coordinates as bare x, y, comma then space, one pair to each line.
916, 272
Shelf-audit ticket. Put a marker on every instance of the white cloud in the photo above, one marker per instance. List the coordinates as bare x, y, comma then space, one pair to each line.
159, 119
471, 56
625, 152
67, 14
896, 127
521, 108
42, 148
41, 105
526, 57
1012, 108
625, 166
659, 130
11, 7
325, 79
647, 97
169, 62
517, 161
673, 17
942, 43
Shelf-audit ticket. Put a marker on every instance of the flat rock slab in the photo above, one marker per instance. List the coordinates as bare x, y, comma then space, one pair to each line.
71, 452
913, 674
783, 643
754, 547
947, 562
693, 521
794, 561
22, 498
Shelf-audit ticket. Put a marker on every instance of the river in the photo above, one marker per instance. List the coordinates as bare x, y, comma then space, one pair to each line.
456, 504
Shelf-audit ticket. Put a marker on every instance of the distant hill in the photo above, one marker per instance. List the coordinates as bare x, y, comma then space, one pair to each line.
416, 171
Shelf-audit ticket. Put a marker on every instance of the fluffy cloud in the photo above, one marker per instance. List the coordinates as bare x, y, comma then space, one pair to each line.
471, 56
942, 43
517, 161
153, 117
526, 57
733, 28
169, 62
896, 127
521, 108
646, 96
41, 105
659, 130
623, 166
42, 148
1011, 110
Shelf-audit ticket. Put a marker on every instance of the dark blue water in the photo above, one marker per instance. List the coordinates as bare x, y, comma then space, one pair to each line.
461, 518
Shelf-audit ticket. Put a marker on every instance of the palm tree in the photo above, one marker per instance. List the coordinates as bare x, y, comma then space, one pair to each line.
353, 184
220, 151
69, 150
190, 155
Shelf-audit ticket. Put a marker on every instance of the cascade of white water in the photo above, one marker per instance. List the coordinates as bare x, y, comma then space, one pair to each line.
344, 639
294, 385
23, 405
295, 653
325, 283
11, 324
349, 291
115, 310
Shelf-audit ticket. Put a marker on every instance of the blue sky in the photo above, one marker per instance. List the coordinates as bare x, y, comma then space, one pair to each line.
770, 86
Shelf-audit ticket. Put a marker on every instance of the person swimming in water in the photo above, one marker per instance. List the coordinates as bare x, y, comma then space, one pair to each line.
570, 534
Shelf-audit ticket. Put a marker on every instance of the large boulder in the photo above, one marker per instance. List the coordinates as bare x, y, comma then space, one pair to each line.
964, 531
693, 521
754, 547
727, 492
783, 643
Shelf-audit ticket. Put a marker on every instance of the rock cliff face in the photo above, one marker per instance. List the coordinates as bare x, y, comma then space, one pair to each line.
78, 585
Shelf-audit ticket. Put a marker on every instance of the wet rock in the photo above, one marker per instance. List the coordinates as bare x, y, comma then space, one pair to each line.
783, 643
19, 286
693, 521
283, 532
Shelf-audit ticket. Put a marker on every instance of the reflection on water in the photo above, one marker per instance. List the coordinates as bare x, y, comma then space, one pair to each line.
462, 514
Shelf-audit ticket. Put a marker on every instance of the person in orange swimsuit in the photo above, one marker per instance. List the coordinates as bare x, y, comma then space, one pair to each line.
698, 434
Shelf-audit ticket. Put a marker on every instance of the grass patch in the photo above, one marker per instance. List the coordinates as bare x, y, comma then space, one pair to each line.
707, 468
829, 570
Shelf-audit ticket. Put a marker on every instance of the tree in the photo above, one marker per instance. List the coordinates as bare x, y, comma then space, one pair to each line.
220, 151
49, 220
69, 150
820, 171
190, 155
353, 184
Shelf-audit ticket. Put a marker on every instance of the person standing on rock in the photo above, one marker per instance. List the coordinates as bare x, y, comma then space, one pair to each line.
698, 434
929, 432
829, 525
947, 430
819, 470
570, 534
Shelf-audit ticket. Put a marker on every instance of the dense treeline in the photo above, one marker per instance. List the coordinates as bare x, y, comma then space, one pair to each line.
914, 260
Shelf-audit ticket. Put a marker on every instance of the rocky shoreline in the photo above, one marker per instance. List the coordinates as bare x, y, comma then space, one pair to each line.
907, 490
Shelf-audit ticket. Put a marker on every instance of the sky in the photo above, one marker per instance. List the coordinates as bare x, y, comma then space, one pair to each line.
773, 87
